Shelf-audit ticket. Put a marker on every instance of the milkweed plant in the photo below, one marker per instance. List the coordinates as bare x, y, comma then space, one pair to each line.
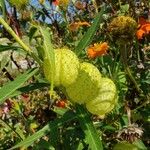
74, 75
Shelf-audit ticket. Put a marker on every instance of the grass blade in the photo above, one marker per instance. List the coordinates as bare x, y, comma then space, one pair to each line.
6, 48
29, 88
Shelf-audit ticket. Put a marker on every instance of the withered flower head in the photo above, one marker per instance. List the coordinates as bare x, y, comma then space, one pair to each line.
122, 29
130, 133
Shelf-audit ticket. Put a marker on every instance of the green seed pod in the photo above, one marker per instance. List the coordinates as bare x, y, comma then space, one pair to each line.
87, 84
66, 67
125, 146
106, 99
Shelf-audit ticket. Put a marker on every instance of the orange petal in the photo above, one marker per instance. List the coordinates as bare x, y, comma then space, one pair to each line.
147, 28
98, 50
75, 25
104, 46
140, 33
91, 53
84, 23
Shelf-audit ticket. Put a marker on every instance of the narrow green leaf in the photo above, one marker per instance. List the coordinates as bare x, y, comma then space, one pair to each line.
54, 135
87, 38
67, 117
80, 146
6, 48
49, 55
140, 145
20, 132
91, 135
60, 111
2, 6
29, 88
12, 86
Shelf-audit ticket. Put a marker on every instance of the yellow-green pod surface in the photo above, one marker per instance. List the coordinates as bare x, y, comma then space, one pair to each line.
125, 146
86, 86
106, 99
66, 67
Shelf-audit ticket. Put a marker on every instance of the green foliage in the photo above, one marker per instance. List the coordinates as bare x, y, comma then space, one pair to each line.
48, 55
87, 38
49, 127
3, 8
91, 136
12, 86
105, 106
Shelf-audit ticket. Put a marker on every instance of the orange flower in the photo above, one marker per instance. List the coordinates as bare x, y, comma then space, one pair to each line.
97, 50
76, 25
143, 29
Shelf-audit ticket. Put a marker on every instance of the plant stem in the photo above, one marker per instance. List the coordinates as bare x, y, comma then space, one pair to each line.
23, 45
123, 51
